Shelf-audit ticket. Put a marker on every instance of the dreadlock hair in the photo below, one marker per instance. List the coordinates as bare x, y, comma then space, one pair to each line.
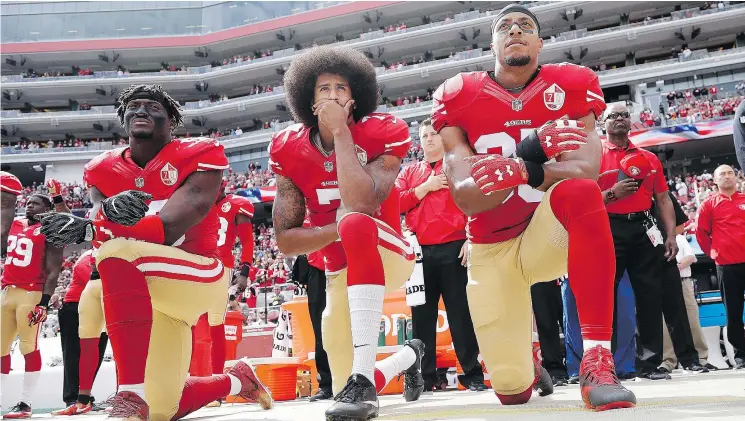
158, 94
300, 81
45, 199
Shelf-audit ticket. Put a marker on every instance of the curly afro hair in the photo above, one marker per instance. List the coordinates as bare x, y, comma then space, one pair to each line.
157, 93
300, 81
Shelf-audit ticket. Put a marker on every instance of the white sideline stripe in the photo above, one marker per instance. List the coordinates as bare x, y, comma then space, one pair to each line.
181, 270
403, 142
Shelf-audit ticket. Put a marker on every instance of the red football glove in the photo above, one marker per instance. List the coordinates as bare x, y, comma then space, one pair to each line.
54, 187
37, 315
551, 140
494, 172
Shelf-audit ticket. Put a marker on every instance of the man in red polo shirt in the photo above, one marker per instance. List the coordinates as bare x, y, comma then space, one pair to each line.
630, 178
440, 229
721, 235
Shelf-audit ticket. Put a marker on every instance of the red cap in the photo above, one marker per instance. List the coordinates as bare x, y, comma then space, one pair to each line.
636, 166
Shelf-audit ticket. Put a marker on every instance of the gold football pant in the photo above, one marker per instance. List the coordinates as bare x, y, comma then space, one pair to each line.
182, 287
90, 311
500, 276
336, 321
16, 304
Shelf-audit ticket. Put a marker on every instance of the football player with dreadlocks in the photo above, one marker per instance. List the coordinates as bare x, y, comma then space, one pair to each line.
156, 230
32, 266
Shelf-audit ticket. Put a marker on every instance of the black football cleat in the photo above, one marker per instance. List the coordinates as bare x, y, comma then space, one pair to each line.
413, 380
358, 401
543, 384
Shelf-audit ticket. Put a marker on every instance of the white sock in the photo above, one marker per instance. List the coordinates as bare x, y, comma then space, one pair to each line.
588, 344
365, 310
30, 378
4, 382
139, 389
235, 385
396, 363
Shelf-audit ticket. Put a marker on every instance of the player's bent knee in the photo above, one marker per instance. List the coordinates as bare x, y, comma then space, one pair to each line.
119, 248
358, 233
575, 198
508, 380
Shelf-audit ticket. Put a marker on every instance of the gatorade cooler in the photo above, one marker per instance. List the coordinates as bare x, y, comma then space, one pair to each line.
233, 333
279, 375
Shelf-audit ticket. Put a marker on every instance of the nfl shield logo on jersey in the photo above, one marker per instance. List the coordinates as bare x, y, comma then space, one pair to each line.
168, 175
517, 105
225, 207
553, 97
361, 155
328, 166
742, 207
37, 231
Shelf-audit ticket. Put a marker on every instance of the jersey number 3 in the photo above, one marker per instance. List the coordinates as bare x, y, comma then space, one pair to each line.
503, 144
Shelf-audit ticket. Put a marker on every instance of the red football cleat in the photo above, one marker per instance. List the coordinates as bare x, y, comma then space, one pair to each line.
129, 406
74, 409
601, 389
19, 411
251, 388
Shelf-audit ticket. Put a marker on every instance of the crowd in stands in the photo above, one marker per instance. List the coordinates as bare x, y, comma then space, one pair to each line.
691, 106
692, 189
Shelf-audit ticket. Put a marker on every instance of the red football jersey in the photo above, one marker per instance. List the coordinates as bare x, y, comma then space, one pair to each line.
495, 120
113, 172
10, 183
292, 154
81, 274
25, 263
227, 211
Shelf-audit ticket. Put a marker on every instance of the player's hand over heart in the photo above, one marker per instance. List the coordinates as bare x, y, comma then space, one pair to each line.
127, 207
331, 114
494, 173
559, 136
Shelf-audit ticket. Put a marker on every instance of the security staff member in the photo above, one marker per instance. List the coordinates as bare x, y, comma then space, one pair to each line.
629, 178
674, 304
738, 132
440, 228
309, 271
721, 235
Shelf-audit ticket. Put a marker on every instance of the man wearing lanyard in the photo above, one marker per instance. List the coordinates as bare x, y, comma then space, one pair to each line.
721, 235
440, 228
629, 178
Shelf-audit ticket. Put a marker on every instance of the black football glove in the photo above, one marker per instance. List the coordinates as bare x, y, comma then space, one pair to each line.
62, 229
126, 208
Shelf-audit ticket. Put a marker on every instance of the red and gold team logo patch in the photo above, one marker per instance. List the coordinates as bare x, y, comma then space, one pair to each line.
361, 155
553, 97
634, 171
168, 174
225, 207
